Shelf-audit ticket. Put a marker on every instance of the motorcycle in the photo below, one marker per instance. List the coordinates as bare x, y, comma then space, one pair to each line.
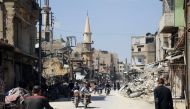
76, 98
99, 90
86, 100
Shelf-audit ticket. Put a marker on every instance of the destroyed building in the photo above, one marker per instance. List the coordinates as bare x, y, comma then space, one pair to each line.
105, 64
170, 60
171, 29
142, 51
55, 56
18, 32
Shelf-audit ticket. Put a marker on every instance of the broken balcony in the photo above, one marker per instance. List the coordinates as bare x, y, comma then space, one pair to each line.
167, 23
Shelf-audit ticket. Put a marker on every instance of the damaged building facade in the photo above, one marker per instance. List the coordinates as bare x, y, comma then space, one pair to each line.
105, 64
18, 32
171, 45
142, 51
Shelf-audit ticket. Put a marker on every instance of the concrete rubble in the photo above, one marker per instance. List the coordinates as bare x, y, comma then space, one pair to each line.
142, 86
53, 70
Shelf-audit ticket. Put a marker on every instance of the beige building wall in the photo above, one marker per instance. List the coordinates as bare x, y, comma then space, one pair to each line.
21, 25
115, 61
121, 67
20, 19
143, 52
106, 60
102, 61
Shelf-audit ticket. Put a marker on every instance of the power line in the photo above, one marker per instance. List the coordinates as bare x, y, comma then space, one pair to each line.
77, 32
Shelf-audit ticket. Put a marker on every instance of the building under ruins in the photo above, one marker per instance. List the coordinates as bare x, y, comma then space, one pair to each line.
18, 32
142, 51
171, 44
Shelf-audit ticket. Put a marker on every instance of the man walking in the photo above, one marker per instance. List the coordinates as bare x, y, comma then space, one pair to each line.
36, 101
162, 96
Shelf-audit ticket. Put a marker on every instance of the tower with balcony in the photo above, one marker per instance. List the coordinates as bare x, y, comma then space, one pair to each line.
87, 44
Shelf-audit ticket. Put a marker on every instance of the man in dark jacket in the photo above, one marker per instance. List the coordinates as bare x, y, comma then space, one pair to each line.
36, 101
162, 96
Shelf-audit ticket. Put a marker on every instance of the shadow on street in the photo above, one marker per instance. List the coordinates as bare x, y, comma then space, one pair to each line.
88, 107
62, 99
98, 98
94, 98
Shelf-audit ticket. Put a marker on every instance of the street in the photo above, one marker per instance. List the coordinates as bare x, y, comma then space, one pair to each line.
113, 101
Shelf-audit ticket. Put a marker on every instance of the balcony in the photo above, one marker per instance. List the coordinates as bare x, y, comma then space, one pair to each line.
167, 23
136, 54
85, 50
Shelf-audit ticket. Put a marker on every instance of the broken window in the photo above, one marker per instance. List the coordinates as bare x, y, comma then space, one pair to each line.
47, 36
132, 49
139, 49
149, 40
139, 60
140, 46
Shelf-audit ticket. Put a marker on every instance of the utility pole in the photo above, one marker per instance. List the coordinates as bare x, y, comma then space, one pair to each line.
40, 45
2, 30
187, 11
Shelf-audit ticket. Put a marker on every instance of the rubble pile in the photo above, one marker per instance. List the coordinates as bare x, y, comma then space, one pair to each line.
53, 67
53, 71
142, 86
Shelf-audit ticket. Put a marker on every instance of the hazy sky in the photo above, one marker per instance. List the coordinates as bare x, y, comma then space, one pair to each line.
113, 22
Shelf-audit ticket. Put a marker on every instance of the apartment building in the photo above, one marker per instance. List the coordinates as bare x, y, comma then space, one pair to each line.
171, 43
143, 50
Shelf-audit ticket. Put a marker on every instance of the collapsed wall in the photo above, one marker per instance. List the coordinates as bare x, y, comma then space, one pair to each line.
52, 68
143, 83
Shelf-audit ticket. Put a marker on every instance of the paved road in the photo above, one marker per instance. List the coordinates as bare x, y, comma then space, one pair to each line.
113, 101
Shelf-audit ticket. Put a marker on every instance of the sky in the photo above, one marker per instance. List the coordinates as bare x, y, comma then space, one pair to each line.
112, 22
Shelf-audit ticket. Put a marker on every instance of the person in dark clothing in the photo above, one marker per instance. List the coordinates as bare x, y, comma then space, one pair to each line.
118, 86
36, 101
107, 86
162, 96
70, 89
76, 86
114, 86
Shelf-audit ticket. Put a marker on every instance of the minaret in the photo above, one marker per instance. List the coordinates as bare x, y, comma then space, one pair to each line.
87, 42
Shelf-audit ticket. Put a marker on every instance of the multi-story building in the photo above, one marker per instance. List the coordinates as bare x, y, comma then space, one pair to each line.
172, 43
18, 30
102, 61
143, 50
121, 67
105, 63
